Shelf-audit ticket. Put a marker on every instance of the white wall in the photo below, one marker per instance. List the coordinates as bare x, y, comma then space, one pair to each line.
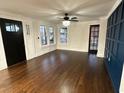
122, 82
39, 49
78, 37
102, 37
2, 55
32, 44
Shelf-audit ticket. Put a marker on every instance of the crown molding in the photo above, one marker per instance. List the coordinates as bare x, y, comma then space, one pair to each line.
113, 8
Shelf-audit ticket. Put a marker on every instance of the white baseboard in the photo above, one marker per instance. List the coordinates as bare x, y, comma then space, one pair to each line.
71, 50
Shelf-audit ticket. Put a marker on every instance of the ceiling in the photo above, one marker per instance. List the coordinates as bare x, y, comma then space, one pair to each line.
51, 10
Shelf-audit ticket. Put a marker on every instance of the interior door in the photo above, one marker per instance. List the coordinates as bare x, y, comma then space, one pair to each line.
12, 33
93, 39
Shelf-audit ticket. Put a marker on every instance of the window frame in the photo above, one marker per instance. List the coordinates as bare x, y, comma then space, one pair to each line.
46, 36
66, 41
54, 42
12, 28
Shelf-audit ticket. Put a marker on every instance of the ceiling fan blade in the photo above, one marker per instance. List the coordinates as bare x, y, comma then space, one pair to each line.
74, 20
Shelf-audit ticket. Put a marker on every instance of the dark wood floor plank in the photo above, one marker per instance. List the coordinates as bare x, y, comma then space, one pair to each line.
57, 72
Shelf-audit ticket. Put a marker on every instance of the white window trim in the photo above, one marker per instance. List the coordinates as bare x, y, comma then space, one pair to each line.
54, 36
60, 37
46, 36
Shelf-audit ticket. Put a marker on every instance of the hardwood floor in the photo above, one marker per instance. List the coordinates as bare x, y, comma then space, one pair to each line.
57, 72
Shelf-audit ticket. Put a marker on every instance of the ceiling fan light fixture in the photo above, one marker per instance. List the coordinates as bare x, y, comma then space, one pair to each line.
66, 23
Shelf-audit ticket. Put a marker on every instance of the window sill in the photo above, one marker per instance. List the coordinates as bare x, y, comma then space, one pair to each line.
44, 46
52, 44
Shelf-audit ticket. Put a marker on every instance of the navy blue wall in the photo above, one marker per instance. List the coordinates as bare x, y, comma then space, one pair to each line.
114, 51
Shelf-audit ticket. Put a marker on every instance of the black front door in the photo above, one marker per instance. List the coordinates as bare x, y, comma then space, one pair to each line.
12, 33
93, 39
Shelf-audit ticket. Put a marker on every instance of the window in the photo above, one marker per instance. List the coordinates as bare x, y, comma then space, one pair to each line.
51, 35
63, 35
12, 27
43, 35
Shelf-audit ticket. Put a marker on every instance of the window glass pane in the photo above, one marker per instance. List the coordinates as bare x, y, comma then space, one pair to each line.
93, 28
51, 35
63, 35
16, 28
43, 35
8, 28
96, 40
12, 27
96, 28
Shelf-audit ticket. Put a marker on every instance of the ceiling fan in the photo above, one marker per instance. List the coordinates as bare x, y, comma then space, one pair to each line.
66, 20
